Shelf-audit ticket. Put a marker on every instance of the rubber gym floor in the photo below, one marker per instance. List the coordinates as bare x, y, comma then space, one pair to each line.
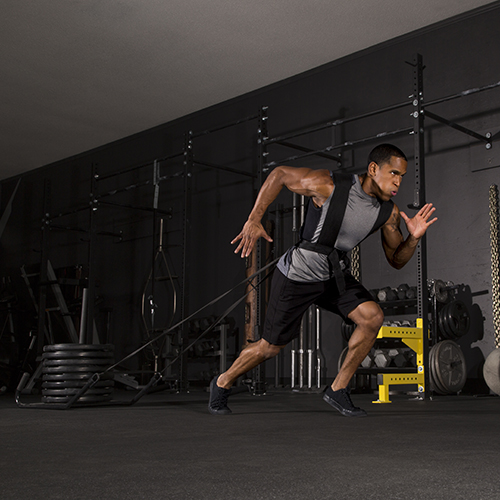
282, 445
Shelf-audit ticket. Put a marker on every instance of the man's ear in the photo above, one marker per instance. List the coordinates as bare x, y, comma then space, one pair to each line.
372, 169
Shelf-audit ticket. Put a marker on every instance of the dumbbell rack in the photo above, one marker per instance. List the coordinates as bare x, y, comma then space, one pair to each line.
414, 339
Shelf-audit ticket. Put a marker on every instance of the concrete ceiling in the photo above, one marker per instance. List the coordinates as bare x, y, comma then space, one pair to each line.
77, 74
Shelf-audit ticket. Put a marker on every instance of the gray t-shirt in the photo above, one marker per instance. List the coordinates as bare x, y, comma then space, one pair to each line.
302, 265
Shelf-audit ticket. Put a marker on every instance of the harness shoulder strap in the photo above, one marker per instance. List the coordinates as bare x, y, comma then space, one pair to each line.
383, 215
336, 210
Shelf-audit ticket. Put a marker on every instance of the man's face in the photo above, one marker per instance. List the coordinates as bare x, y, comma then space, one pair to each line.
388, 177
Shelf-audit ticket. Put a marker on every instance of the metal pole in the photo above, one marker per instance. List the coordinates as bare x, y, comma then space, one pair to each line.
310, 347
89, 324
42, 297
295, 231
259, 372
419, 202
319, 355
303, 325
223, 328
83, 316
227, 125
186, 223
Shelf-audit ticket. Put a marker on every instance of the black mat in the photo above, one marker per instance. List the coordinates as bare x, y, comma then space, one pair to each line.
279, 446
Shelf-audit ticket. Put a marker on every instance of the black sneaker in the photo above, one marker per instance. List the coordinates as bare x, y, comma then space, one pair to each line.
341, 401
217, 404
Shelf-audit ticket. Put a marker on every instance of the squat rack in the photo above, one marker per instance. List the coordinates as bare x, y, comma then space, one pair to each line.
417, 129
97, 199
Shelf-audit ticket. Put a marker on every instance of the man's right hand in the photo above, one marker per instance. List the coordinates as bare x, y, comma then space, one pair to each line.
249, 235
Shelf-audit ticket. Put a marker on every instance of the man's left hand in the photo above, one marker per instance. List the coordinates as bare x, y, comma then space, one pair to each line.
417, 226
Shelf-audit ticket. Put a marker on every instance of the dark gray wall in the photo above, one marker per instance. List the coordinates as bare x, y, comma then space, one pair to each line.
458, 55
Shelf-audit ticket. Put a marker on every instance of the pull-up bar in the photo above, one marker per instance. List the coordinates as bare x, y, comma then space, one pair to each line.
335, 123
464, 93
138, 167
222, 127
339, 146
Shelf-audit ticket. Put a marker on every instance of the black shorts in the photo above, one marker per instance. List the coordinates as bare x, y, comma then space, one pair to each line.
289, 300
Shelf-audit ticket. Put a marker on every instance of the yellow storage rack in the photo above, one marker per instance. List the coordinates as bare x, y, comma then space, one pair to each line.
414, 339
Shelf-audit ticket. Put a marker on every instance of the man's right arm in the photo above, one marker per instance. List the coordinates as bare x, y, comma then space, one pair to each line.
304, 181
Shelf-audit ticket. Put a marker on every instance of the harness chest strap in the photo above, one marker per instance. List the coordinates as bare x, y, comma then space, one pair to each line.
333, 222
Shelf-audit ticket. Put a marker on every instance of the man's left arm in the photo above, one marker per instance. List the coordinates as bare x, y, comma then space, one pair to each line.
398, 250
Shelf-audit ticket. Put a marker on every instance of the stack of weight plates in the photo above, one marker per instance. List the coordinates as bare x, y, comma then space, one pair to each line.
66, 368
454, 320
448, 371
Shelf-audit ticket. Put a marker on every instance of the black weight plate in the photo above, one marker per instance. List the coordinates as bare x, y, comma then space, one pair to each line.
77, 354
451, 321
459, 318
81, 399
441, 325
72, 369
440, 389
451, 368
445, 311
75, 376
72, 392
446, 322
75, 384
431, 378
78, 347
432, 372
75, 362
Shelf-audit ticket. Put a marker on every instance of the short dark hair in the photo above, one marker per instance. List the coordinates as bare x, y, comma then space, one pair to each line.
383, 152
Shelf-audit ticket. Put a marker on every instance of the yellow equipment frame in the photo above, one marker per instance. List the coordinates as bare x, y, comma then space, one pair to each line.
414, 339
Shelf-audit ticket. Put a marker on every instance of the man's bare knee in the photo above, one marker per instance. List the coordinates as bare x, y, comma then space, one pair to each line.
369, 317
375, 320
267, 350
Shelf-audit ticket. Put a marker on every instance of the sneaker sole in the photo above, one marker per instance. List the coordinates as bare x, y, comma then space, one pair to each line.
342, 410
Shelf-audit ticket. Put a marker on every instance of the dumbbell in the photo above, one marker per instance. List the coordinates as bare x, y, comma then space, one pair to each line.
387, 294
398, 357
402, 289
368, 361
381, 358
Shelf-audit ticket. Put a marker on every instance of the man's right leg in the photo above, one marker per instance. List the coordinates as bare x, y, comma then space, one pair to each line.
254, 354
250, 357
287, 303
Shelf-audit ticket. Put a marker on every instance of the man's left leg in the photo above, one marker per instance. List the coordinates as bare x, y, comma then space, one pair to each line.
368, 317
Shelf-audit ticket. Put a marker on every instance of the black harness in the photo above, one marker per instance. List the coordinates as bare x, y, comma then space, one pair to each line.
331, 227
